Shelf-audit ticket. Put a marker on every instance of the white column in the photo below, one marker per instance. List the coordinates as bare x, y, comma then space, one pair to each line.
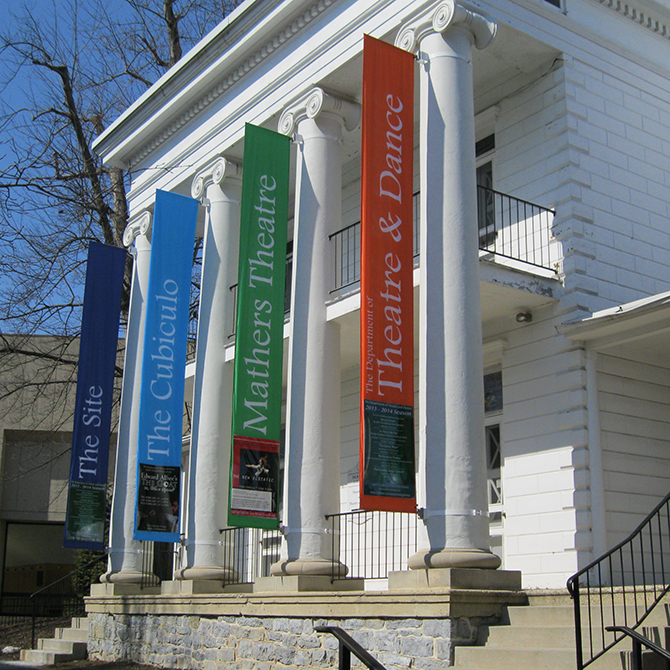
452, 461
220, 185
312, 461
125, 559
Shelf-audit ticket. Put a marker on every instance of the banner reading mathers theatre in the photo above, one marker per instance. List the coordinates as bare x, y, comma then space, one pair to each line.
254, 481
85, 522
387, 251
164, 359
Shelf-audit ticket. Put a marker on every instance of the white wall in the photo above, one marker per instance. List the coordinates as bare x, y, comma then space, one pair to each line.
544, 441
634, 399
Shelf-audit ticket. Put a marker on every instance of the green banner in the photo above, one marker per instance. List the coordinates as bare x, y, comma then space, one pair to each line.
254, 478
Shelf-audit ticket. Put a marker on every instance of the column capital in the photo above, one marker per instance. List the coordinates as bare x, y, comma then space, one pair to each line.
316, 102
139, 224
214, 172
437, 17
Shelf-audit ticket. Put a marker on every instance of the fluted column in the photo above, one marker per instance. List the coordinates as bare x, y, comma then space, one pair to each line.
452, 461
312, 462
219, 185
125, 559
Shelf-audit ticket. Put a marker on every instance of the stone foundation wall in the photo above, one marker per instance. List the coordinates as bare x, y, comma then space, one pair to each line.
272, 643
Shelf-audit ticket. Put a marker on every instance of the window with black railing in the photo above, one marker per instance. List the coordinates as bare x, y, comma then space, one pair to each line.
509, 228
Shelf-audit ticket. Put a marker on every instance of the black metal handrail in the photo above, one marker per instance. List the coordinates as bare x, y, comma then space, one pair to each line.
348, 646
638, 642
621, 587
508, 227
74, 610
371, 544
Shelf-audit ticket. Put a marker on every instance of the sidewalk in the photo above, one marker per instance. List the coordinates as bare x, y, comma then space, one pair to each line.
85, 664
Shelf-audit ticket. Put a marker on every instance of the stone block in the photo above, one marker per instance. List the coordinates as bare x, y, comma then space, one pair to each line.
414, 646
456, 578
191, 586
441, 628
108, 589
301, 583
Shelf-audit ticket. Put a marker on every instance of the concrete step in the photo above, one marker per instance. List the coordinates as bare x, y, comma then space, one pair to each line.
38, 657
527, 637
75, 650
563, 615
483, 658
474, 658
541, 615
68, 644
541, 636
44, 657
80, 622
73, 634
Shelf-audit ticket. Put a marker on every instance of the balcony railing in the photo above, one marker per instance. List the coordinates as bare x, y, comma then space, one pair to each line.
372, 544
508, 227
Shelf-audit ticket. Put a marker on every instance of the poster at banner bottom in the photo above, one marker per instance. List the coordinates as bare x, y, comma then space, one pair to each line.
255, 477
86, 511
389, 450
158, 498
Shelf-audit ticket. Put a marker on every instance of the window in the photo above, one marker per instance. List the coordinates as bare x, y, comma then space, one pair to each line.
485, 196
493, 407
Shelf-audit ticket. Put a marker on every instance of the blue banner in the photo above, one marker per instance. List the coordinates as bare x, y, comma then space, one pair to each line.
163, 364
87, 491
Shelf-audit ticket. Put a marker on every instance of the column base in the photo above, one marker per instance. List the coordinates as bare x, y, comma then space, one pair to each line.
453, 558
122, 577
301, 583
214, 573
469, 579
305, 566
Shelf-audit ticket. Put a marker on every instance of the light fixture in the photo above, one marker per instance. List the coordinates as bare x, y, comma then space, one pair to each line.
524, 317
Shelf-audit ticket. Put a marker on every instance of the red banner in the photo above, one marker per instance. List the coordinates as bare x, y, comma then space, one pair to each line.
387, 293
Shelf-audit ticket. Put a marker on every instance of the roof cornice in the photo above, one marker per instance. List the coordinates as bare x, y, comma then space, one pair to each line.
205, 74
650, 15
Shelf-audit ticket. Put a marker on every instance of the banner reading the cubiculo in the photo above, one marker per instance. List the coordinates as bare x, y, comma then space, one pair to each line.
163, 363
87, 492
256, 428
387, 251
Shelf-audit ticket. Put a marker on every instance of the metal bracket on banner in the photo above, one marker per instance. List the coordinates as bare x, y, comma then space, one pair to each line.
422, 59
424, 513
297, 139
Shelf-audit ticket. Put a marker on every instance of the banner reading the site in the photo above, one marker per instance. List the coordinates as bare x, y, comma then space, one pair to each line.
387, 252
256, 428
87, 492
164, 359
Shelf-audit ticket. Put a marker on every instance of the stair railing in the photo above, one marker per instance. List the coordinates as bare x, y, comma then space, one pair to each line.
638, 642
621, 588
76, 604
348, 646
